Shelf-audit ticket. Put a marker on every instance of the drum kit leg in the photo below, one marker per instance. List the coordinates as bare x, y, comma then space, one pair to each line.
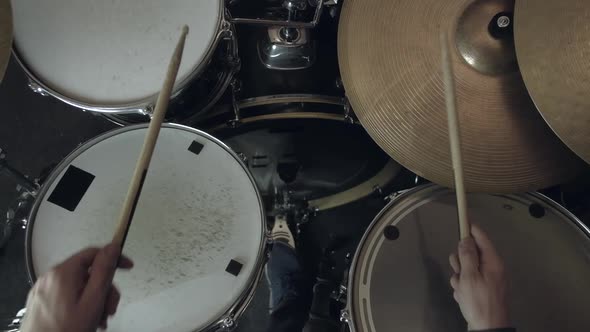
329, 114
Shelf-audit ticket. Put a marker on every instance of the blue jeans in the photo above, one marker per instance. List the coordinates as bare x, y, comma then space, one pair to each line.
289, 300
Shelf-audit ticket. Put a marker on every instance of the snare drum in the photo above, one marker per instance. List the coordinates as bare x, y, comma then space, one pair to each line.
111, 56
198, 238
399, 279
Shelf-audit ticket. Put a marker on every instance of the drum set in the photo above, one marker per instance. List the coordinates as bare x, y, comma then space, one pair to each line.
294, 107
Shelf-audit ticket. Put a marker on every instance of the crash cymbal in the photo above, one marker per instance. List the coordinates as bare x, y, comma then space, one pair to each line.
390, 59
553, 48
5, 35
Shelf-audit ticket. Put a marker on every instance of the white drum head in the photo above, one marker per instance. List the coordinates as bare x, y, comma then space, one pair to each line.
196, 213
111, 53
403, 284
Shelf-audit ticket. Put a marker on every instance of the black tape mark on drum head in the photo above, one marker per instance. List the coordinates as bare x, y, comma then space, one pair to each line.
536, 211
234, 267
391, 232
195, 147
71, 188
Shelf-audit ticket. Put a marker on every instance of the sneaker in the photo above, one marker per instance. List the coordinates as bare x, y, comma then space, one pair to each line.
281, 232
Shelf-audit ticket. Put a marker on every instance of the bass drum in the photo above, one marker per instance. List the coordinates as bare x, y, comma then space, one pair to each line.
304, 145
399, 279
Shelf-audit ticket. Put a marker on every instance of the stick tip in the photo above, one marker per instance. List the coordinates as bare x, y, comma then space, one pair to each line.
185, 29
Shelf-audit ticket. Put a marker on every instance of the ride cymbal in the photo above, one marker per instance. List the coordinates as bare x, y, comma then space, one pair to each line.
390, 59
553, 47
5, 35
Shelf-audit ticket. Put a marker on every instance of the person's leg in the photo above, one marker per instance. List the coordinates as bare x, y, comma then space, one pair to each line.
289, 300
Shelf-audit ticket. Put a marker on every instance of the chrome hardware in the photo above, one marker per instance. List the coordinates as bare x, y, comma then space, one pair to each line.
394, 195
17, 215
235, 91
345, 316
21, 180
36, 88
348, 112
287, 48
291, 7
14, 326
243, 157
228, 323
378, 190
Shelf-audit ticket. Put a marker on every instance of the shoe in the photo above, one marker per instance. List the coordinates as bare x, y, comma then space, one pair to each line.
281, 232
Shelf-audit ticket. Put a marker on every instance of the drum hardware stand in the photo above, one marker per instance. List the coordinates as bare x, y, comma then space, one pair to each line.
22, 181
236, 87
292, 6
325, 291
18, 210
340, 296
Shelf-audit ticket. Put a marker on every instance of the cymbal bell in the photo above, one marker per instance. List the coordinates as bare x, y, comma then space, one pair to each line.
390, 59
553, 49
5, 35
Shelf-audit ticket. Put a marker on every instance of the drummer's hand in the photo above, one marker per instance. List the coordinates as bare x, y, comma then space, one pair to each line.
76, 295
479, 282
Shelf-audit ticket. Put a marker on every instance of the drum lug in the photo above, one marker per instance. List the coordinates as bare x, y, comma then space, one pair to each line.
37, 89
228, 323
345, 316
148, 111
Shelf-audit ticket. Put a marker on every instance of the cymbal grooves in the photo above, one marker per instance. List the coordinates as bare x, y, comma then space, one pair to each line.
390, 60
553, 51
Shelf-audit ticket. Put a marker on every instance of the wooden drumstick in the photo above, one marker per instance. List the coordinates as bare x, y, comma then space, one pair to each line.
149, 144
454, 138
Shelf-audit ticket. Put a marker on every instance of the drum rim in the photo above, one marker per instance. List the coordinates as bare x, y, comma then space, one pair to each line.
244, 298
138, 106
348, 314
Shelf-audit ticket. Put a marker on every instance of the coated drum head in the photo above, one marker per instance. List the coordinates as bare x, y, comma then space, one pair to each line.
196, 239
111, 53
402, 284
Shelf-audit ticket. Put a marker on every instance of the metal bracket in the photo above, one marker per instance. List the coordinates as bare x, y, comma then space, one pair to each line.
292, 24
348, 112
228, 323
36, 88
345, 316
235, 90
23, 183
